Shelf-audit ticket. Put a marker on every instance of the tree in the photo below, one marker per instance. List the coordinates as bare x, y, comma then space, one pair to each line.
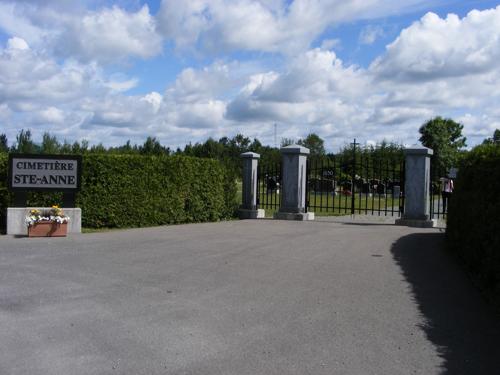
287, 142
152, 146
4, 145
444, 137
24, 143
255, 146
50, 144
240, 142
494, 139
66, 147
80, 148
98, 149
314, 143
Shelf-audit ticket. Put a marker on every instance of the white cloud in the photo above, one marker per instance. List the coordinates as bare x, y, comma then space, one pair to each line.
398, 115
37, 91
435, 48
51, 115
15, 22
369, 34
328, 44
25, 75
316, 84
17, 43
193, 85
105, 35
270, 26
112, 35
435, 67
154, 99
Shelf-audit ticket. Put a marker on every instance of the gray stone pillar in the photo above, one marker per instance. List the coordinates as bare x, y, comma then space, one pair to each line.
417, 182
248, 208
293, 189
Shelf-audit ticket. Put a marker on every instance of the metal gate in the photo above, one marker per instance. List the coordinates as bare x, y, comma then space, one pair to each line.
355, 184
269, 185
359, 183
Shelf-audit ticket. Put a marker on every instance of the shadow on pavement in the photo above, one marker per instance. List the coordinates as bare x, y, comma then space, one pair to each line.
465, 330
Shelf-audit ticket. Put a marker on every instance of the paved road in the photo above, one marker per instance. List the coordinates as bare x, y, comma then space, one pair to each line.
253, 297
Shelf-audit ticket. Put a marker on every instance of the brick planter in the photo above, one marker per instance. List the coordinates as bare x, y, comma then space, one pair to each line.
48, 229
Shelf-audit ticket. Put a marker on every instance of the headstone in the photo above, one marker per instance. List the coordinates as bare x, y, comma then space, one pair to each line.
396, 192
366, 189
381, 189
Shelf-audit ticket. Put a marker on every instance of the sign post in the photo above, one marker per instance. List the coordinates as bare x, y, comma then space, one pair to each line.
44, 173
48, 173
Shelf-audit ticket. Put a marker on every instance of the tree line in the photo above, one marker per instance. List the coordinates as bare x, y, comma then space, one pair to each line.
443, 135
226, 149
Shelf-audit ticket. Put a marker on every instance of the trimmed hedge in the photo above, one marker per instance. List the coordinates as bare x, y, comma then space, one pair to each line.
473, 226
5, 196
121, 191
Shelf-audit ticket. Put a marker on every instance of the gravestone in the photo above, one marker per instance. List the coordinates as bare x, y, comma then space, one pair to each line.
366, 189
381, 189
396, 192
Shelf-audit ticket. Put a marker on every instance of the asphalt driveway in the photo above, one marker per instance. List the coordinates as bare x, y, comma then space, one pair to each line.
242, 297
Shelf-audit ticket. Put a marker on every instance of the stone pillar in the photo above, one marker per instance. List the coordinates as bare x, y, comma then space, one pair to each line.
417, 182
248, 208
293, 189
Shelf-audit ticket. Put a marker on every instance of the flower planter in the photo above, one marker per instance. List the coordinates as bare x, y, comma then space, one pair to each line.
48, 229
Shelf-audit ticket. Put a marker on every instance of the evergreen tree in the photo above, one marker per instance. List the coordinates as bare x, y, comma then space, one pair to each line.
24, 143
50, 145
287, 142
494, 139
4, 145
152, 146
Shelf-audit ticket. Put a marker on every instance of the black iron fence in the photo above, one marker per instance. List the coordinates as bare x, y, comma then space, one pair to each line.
356, 184
269, 185
360, 183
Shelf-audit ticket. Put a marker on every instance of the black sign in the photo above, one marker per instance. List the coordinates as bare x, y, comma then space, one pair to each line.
328, 173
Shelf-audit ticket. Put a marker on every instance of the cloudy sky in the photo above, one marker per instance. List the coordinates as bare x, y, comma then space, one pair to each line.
183, 71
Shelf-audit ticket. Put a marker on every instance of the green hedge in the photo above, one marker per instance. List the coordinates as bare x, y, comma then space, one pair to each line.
133, 191
473, 226
5, 197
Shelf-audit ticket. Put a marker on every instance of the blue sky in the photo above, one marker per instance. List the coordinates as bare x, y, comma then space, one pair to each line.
110, 71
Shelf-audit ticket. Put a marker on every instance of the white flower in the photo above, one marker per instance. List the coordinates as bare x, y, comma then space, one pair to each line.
33, 219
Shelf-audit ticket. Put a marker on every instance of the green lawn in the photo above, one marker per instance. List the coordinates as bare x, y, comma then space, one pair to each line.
324, 204
327, 205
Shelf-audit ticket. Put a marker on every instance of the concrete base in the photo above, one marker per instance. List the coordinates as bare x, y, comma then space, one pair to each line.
251, 214
417, 223
16, 219
302, 216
